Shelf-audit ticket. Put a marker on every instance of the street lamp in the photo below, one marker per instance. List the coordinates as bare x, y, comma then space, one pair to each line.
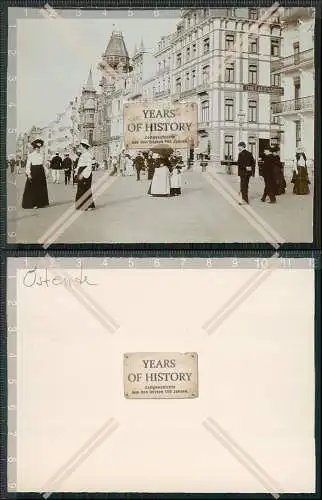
241, 117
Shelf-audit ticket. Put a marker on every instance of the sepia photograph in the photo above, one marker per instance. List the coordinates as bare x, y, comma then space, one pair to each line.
167, 126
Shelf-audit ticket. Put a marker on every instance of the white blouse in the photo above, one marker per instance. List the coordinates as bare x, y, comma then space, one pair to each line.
34, 158
85, 160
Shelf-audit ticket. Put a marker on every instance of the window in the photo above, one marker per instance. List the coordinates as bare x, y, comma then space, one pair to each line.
229, 42
229, 110
205, 111
90, 136
187, 81
296, 50
159, 66
230, 12
194, 50
229, 147
178, 85
164, 63
118, 106
206, 45
252, 73
253, 14
205, 74
179, 59
252, 111
274, 118
252, 146
193, 74
188, 53
253, 44
275, 47
169, 82
276, 80
229, 73
297, 88
298, 133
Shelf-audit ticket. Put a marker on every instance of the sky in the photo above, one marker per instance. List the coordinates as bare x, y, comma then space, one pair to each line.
54, 57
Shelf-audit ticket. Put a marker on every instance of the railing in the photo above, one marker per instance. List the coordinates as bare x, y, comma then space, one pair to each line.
162, 93
301, 104
293, 60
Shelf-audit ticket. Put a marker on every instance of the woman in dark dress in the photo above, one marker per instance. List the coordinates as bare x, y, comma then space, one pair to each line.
300, 178
35, 193
278, 173
84, 196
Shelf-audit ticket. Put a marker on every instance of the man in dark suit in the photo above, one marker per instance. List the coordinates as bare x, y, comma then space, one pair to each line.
269, 175
56, 166
139, 164
246, 169
67, 166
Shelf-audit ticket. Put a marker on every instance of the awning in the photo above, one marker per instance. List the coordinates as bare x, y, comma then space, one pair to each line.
202, 147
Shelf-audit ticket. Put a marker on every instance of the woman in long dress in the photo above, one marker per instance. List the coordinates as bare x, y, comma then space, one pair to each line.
176, 178
160, 184
35, 194
84, 196
300, 178
129, 169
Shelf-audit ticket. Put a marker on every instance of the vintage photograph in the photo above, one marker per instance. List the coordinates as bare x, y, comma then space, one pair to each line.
168, 126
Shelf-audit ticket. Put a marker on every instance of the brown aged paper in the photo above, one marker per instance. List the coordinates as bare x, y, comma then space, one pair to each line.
153, 375
150, 123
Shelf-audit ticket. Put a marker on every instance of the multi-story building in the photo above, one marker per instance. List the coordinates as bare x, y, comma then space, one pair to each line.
116, 69
61, 135
222, 59
295, 69
87, 109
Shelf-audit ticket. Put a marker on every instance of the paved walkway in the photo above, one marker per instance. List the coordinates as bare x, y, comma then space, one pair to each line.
125, 214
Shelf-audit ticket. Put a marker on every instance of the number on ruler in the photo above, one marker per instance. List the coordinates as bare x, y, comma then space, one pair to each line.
209, 263
12, 78
234, 262
156, 262
12, 460
131, 262
183, 261
12, 52
105, 262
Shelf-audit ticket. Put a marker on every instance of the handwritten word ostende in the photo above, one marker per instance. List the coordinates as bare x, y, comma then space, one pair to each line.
35, 277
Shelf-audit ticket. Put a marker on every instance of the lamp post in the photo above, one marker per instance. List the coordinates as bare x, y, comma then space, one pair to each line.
241, 117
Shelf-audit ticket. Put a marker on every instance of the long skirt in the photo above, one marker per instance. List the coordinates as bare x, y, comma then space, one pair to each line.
160, 184
36, 193
84, 196
301, 181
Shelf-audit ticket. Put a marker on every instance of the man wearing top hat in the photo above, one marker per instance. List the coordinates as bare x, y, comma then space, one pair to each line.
84, 196
56, 167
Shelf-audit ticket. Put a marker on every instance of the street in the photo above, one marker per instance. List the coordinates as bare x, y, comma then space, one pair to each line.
126, 214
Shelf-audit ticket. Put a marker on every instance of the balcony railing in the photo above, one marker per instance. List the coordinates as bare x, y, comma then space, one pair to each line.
293, 60
162, 93
301, 104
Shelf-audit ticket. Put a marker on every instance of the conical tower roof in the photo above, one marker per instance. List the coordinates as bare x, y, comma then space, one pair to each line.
89, 86
116, 46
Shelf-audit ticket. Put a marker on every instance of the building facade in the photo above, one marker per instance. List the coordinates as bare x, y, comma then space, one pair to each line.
87, 109
296, 70
222, 59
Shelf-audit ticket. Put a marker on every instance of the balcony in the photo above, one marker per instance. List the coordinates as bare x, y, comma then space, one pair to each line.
162, 93
294, 105
162, 71
295, 60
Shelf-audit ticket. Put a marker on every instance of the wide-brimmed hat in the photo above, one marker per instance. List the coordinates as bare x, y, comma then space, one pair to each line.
37, 143
85, 143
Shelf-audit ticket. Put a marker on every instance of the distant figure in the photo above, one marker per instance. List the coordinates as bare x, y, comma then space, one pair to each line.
151, 166
35, 193
300, 178
84, 197
12, 163
67, 166
129, 169
114, 166
204, 163
175, 179
268, 171
56, 166
246, 169
139, 165
122, 163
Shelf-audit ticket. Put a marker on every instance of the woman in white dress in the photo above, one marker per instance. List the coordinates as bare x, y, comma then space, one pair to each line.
129, 169
35, 193
160, 184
